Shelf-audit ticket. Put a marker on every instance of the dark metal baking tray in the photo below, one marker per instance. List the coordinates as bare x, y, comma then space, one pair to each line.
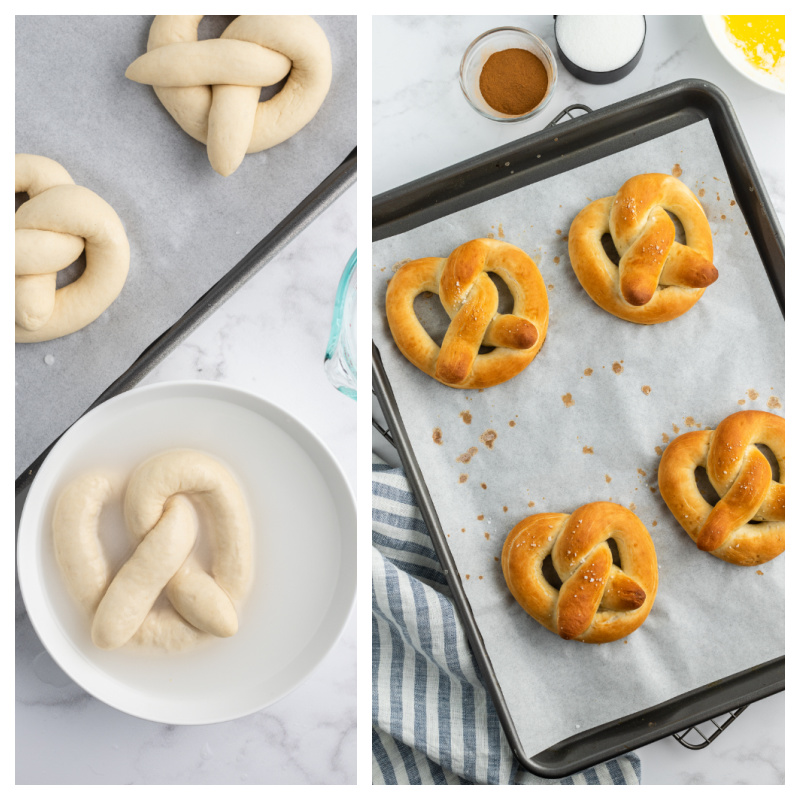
298, 219
512, 166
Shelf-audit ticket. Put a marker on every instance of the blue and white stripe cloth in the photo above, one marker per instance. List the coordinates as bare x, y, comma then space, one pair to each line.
433, 721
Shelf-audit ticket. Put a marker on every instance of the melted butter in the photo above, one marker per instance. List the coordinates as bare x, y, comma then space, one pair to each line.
761, 38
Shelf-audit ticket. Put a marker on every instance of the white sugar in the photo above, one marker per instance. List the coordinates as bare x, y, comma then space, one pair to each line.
600, 43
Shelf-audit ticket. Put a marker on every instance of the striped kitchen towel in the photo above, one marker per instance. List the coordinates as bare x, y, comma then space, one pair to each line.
432, 719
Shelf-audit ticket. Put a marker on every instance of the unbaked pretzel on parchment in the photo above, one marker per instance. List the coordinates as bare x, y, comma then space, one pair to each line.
52, 228
212, 87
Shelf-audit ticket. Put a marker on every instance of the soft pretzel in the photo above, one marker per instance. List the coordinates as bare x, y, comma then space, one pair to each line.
658, 278
746, 526
53, 227
597, 601
470, 299
164, 528
211, 88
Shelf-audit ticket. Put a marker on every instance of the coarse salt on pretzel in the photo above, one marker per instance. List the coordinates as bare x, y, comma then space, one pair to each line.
471, 300
597, 601
212, 87
747, 524
657, 278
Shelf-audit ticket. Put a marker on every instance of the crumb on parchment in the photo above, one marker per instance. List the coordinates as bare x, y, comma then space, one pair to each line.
488, 438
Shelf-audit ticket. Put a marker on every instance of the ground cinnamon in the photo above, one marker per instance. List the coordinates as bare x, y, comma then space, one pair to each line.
513, 81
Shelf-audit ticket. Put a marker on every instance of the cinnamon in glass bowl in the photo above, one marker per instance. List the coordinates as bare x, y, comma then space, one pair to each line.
508, 74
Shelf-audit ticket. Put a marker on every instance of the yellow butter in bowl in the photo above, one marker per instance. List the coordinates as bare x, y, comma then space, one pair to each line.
761, 38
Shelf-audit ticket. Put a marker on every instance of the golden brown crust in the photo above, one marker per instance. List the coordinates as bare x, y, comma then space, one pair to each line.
470, 299
657, 279
741, 476
597, 601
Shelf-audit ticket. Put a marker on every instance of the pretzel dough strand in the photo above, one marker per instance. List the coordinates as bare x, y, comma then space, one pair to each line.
741, 476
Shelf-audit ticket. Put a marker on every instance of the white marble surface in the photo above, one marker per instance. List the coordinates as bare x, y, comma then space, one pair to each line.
422, 123
270, 339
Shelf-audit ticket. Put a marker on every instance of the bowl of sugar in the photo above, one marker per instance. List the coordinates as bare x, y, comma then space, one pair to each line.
600, 48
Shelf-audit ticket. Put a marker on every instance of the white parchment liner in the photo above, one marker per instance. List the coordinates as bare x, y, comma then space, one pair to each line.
187, 226
587, 420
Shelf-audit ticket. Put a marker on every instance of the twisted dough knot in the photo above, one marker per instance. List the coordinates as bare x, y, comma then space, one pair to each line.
597, 601
471, 300
164, 527
658, 278
53, 227
211, 88
746, 526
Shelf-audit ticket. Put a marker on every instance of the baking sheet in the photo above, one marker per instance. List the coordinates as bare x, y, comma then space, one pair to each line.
187, 226
591, 416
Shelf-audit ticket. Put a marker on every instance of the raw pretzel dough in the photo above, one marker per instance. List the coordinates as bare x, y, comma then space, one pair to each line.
211, 88
52, 228
164, 527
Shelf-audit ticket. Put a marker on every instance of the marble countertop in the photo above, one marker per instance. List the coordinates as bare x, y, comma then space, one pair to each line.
65, 736
422, 123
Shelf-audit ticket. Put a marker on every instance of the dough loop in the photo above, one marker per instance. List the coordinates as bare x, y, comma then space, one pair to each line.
164, 528
53, 227
211, 88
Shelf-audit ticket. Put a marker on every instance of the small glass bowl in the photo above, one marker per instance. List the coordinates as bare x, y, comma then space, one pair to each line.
494, 41
340, 354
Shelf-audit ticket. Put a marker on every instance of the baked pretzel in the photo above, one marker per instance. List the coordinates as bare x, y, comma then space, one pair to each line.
470, 299
212, 87
658, 278
597, 601
163, 526
746, 526
53, 227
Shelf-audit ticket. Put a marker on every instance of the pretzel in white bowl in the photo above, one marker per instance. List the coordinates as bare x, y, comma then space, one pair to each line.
163, 525
471, 300
212, 87
747, 525
597, 601
657, 278
52, 228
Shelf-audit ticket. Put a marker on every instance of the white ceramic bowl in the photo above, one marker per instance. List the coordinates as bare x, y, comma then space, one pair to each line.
717, 31
304, 529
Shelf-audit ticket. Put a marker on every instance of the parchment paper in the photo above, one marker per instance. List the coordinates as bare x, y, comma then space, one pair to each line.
187, 225
588, 420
